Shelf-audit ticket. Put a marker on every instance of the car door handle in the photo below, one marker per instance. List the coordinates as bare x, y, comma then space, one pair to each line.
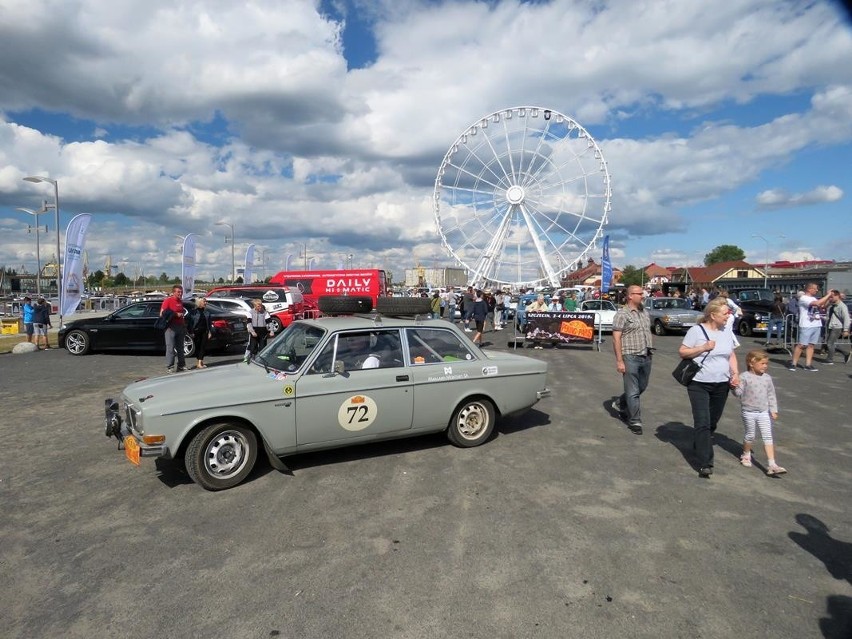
402, 378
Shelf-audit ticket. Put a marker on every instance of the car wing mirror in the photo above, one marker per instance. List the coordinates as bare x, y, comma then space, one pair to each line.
339, 367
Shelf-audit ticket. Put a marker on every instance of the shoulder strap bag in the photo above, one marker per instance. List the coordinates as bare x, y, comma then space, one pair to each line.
687, 369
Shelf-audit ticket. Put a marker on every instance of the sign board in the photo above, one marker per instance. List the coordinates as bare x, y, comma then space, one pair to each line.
555, 326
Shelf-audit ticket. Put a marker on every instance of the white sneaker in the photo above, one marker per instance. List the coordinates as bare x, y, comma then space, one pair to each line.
498, 328
467, 330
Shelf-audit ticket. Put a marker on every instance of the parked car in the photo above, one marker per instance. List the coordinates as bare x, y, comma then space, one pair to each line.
232, 304
671, 314
284, 303
521, 310
755, 317
326, 383
604, 311
132, 328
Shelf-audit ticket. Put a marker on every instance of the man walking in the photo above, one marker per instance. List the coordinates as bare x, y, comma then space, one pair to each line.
632, 343
836, 325
810, 325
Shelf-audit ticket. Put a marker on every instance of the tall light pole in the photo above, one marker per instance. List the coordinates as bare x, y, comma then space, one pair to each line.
43, 209
38, 179
766, 262
233, 260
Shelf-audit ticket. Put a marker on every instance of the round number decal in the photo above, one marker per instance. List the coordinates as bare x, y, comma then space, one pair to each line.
357, 412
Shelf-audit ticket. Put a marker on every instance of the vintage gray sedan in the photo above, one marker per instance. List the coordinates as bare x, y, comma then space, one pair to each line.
671, 314
325, 383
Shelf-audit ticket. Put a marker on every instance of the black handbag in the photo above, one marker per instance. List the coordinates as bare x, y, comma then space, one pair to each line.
687, 369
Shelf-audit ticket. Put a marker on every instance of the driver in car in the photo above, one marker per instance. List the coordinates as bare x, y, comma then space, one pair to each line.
359, 353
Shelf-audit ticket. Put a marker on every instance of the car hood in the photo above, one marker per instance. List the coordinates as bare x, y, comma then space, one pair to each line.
183, 392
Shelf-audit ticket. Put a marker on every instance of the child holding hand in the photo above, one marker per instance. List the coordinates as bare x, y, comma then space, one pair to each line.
759, 409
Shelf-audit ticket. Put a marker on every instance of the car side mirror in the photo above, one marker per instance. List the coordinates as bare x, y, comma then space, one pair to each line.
339, 367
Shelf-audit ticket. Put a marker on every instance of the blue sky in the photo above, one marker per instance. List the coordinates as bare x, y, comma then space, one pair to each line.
323, 124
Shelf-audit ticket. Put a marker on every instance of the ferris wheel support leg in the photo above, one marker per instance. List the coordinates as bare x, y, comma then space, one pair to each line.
486, 263
539, 247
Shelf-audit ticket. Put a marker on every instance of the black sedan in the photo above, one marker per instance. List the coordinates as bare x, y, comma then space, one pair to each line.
132, 327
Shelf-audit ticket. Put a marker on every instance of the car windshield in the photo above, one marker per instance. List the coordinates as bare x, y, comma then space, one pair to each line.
291, 348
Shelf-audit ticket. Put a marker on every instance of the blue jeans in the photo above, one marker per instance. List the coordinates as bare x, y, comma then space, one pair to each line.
451, 313
708, 402
174, 344
636, 375
775, 327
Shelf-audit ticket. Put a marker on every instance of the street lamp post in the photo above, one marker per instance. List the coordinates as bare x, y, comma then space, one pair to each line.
233, 259
43, 209
38, 179
766, 262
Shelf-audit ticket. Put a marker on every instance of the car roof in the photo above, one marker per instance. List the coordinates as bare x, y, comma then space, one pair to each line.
367, 322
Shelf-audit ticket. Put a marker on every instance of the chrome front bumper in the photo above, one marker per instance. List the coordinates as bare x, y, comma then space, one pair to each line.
542, 393
117, 426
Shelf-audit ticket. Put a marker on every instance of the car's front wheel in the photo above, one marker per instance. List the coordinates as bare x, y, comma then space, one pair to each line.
659, 329
77, 343
745, 328
221, 456
472, 423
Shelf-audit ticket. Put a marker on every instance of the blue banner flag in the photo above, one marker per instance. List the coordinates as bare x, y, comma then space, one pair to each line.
606, 267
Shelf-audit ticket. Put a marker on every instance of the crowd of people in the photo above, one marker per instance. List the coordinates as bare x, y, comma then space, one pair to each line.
712, 344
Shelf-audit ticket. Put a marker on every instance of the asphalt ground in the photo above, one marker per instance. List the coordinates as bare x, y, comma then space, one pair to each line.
563, 525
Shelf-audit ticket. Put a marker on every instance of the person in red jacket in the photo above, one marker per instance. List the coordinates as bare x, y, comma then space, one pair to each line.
175, 330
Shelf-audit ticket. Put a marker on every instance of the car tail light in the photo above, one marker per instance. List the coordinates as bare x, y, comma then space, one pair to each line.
220, 324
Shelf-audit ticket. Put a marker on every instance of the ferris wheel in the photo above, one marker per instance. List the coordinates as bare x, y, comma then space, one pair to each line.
521, 197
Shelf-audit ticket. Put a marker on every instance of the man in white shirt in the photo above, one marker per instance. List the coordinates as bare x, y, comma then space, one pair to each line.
810, 325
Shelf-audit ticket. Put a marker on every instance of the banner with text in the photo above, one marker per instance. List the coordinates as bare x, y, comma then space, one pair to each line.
187, 270
247, 271
72, 275
555, 326
606, 267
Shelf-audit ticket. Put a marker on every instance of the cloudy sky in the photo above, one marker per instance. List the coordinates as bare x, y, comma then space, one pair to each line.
322, 124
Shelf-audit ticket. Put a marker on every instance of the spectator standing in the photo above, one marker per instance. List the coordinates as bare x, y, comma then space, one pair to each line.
633, 346
173, 307
435, 303
491, 304
479, 313
467, 308
759, 409
201, 325
776, 321
708, 390
810, 326
836, 326
450, 304
570, 303
500, 300
257, 328
27, 313
41, 322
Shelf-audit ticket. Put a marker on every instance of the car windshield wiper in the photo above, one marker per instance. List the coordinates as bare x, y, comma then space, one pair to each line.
262, 360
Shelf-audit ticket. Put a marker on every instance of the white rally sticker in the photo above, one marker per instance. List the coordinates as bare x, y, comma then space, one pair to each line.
489, 370
357, 412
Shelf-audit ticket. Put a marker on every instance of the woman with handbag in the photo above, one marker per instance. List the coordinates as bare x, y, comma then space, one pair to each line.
708, 390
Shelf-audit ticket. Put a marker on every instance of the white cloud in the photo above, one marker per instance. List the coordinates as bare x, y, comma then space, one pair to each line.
780, 199
343, 160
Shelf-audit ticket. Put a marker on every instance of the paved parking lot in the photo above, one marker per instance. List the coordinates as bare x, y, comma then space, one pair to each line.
564, 525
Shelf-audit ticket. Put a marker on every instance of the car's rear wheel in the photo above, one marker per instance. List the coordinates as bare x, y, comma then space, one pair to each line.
659, 329
472, 423
188, 345
403, 305
77, 343
221, 456
275, 325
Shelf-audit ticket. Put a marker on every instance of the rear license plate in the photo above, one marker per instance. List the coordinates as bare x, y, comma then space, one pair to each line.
131, 449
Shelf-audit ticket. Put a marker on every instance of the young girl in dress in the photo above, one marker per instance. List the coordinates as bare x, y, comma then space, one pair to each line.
759, 409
